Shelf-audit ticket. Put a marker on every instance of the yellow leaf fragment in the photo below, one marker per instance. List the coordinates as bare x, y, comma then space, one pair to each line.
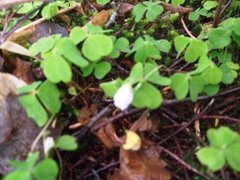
133, 141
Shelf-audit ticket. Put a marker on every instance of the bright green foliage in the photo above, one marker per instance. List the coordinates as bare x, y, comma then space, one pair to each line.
211, 157
46, 169
194, 48
101, 69
53, 67
25, 170
110, 88
180, 85
66, 142
77, 35
152, 75
43, 45
196, 86
96, 46
50, 10
152, 10
33, 98
148, 47
67, 49
181, 43
210, 4
177, 2
219, 38
212, 75
224, 148
102, 2
143, 96
120, 45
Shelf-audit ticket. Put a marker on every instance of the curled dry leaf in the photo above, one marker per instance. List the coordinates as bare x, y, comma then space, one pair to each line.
109, 136
15, 48
100, 18
143, 164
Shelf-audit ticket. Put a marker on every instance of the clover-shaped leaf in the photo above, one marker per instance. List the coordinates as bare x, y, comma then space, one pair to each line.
96, 46
180, 85
147, 96
53, 67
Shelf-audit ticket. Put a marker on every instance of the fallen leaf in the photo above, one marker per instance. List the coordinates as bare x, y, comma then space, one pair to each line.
124, 8
19, 68
100, 18
15, 48
143, 164
108, 135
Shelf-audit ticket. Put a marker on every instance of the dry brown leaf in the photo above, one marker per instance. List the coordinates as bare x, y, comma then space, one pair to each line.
15, 48
141, 165
20, 69
108, 135
85, 115
100, 18
124, 8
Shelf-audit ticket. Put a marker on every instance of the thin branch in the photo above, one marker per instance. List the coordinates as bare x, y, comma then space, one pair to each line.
200, 98
217, 13
186, 29
197, 116
182, 162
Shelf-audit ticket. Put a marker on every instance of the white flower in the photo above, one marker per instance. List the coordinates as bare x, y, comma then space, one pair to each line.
48, 143
123, 97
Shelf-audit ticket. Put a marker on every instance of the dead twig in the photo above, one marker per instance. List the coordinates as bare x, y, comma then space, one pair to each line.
183, 163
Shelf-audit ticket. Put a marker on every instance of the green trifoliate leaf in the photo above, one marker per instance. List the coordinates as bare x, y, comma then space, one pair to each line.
219, 38
210, 5
228, 74
110, 88
153, 12
77, 35
67, 143
151, 73
195, 50
46, 169
147, 50
21, 175
56, 69
102, 2
212, 75
67, 49
196, 85
136, 74
49, 95
180, 85
212, 157
34, 109
102, 69
194, 16
181, 43
163, 45
96, 46
233, 156
177, 2
138, 12
49, 11
42, 45
222, 137
28, 88
147, 96
211, 90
